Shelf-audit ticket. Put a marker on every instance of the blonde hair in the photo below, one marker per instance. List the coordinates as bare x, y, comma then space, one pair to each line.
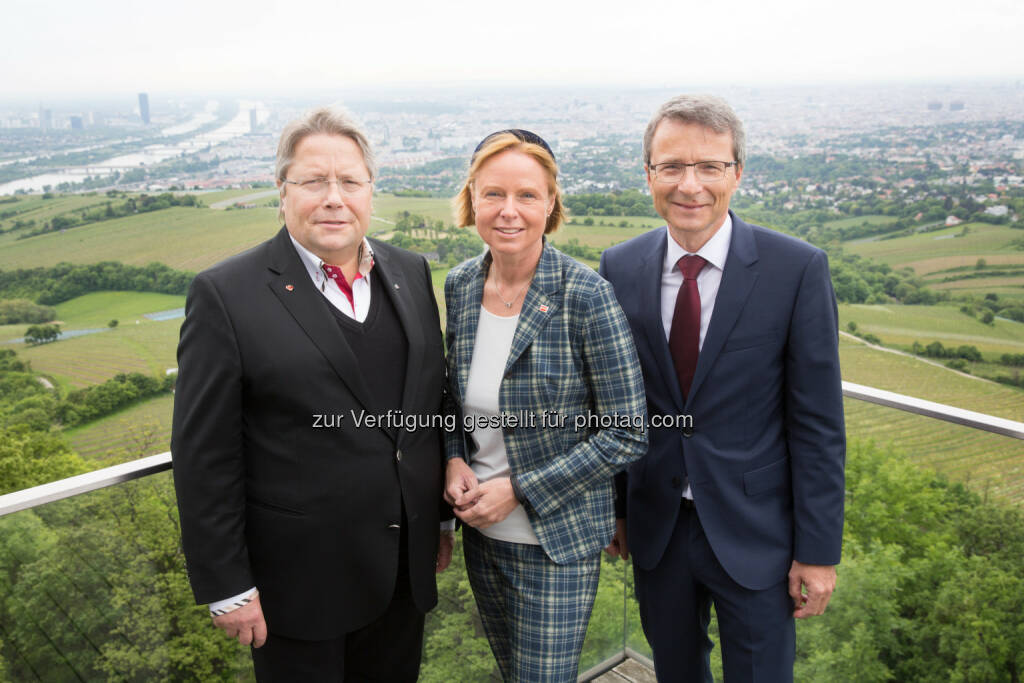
462, 204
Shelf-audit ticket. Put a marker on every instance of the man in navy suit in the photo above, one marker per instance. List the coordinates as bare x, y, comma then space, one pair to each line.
740, 498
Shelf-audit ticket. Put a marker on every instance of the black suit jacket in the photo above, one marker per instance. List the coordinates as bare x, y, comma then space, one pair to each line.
308, 514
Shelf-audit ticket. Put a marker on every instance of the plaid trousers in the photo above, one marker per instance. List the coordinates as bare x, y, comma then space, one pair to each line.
534, 611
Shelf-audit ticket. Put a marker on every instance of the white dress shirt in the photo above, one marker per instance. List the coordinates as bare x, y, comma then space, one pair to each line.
360, 288
715, 251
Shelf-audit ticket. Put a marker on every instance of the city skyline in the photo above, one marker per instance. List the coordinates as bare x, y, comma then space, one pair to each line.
74, 49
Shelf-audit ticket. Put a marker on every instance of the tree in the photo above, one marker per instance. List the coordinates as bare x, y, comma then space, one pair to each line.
29, 458
112, 324
41, 334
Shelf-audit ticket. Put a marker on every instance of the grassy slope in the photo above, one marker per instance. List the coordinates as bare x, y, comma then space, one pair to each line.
860, 220
148, 347
140, 430
99, 308
902, 325
989, 462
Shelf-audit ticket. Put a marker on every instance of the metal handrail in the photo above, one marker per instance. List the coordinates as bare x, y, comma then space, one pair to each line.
939, 411
83, 483
136, 469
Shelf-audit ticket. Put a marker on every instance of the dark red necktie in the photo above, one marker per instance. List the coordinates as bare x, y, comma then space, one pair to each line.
684, 335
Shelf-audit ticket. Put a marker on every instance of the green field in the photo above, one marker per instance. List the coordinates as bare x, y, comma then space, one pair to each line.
388, 206
35, 208
860, 220
181, 237
148, 347
981, 239
138, 431
988, 462
602, 236
896, 324
98, 308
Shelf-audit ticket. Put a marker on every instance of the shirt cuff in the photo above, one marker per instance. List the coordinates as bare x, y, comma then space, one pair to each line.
448, 525
231, 604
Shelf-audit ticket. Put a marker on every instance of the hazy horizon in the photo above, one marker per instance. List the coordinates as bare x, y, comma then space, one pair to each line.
69, 49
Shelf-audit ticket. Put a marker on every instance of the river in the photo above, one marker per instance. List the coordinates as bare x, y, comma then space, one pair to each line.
149, 155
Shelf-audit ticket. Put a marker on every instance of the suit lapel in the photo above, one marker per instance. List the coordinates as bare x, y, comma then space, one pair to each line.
394, 283
468, 319
543, 299
738, 280
291, 283
650, 274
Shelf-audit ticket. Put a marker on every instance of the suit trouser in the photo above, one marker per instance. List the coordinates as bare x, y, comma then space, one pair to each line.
756, 627
387, 649
534, 611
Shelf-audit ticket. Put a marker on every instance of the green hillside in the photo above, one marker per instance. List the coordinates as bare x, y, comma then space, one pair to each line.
138, 431
148, 347
98, 308
900, 325
944, 254
988, 462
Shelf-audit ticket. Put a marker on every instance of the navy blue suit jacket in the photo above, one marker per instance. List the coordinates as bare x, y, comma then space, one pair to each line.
766, 449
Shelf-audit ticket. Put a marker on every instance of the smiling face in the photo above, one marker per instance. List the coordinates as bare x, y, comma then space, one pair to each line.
512, 198
330, 225
694, 210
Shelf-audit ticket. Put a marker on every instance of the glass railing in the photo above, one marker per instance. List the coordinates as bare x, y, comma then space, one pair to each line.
93, 586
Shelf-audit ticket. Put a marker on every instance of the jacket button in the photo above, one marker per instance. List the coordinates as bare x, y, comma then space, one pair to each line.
687, 432
676, 482
398, 455
394, 526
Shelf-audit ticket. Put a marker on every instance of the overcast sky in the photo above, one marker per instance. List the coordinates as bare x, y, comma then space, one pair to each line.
60, 47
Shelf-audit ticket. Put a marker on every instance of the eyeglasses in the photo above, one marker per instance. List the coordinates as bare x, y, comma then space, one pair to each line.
320, 186
672, 172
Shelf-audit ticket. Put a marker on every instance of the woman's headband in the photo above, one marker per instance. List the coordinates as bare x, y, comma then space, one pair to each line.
524, 135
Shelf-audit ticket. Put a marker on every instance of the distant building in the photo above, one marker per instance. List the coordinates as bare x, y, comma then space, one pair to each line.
999, 210
934, 106
952, 220
45, 118
956, 105
253, 121
144, 107
76, 123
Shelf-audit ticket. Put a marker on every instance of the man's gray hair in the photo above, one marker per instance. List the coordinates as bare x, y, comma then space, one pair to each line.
705, 110
325, 120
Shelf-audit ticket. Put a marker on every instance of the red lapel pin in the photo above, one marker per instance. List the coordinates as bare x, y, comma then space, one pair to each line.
543, 309
289, 287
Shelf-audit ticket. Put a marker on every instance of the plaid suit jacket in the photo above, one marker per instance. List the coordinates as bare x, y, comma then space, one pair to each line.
572, 353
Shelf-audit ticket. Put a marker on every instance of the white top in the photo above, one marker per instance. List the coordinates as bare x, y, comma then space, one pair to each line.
715, 251
493, 342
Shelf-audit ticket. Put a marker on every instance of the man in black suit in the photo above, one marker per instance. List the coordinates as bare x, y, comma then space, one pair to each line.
307, 429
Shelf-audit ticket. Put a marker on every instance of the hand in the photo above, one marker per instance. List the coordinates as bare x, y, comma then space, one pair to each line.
245, 623
810, 586
619, 547
444, 550
459, 479
487, 504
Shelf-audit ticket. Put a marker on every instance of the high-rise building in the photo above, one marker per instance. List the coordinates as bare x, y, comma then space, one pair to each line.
76, 122
45, 118
144, 107
253, 121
